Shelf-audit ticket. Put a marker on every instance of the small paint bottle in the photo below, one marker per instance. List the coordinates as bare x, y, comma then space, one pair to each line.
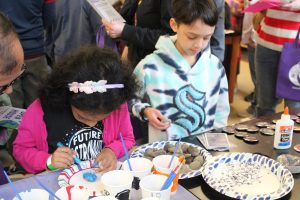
284, 131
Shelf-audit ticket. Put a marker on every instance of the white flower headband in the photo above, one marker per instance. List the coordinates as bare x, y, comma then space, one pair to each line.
90, 87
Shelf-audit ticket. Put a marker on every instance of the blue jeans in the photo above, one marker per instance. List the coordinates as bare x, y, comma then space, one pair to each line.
266, 67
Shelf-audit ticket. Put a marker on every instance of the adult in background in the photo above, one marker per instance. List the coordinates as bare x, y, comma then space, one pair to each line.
248, 39
76, 23
280, 25
217, 41
11, 67
30, 18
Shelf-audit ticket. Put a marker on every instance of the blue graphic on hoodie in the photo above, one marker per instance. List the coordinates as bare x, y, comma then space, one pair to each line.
186, 101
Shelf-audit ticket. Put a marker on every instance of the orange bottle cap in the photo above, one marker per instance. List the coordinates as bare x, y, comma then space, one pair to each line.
286, 111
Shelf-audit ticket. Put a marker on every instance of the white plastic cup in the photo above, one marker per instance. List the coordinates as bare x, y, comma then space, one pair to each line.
117, 183
151, 185
141, 167
161, 164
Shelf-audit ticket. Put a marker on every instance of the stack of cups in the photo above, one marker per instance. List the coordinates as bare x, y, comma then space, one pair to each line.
161, 164
141, 167
117, 183
151, 187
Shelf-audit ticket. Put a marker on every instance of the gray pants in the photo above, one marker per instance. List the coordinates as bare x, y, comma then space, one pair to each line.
251, 60
25, 89
266, 69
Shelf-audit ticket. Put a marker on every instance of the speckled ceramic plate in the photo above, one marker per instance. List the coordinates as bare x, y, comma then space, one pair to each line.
248, 176
159, 145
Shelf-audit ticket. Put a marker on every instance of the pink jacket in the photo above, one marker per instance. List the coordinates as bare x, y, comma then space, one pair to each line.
30, 147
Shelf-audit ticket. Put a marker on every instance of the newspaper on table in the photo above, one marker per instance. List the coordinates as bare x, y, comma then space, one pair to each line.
10, 117
106, 10
214, 141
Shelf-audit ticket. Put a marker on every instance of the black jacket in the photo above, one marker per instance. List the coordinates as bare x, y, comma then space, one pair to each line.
153, 18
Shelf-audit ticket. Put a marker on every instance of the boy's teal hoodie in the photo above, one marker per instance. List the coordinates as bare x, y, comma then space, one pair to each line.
194, 98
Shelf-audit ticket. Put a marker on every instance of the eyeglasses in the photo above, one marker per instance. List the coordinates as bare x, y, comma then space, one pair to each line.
4, 87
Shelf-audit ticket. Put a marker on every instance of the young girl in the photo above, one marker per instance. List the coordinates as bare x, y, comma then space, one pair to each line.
83, 105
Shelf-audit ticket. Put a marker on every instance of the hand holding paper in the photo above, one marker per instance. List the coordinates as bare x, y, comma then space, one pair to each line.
106, 11
114, 30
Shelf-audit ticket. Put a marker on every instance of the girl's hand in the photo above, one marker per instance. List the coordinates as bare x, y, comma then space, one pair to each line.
63, 157
107, 159
156, 119
291, 4
114, 30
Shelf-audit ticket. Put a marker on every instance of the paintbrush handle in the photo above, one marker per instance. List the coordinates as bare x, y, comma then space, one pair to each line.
12, 185
174, 153
168, 181
126, 153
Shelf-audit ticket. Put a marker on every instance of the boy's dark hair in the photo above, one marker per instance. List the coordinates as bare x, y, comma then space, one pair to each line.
188, 11
89, 63
7, 37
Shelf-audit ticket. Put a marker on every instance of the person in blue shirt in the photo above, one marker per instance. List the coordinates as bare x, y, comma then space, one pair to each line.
30, 18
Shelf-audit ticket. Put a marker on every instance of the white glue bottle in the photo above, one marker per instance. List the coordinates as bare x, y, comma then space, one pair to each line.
284, 131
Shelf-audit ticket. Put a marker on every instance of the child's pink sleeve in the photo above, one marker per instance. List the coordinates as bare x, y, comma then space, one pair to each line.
30, 147
125, 128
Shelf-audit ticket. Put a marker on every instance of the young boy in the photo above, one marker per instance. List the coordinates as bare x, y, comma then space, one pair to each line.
184, 86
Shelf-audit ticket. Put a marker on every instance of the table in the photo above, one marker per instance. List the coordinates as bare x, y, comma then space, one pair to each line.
231, 59
265, 147
193, 188
50, 180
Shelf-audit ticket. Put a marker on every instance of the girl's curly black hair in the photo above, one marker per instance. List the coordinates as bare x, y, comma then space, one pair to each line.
89, 63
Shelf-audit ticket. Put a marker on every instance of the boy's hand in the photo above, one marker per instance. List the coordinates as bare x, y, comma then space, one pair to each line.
63, 157
107, 159
156, 119
114, 30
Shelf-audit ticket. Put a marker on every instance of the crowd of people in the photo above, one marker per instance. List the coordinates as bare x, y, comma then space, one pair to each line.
170, 76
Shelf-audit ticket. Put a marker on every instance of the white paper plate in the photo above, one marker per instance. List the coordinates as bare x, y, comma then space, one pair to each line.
139, 152
74, 176
248, 176
75, 192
